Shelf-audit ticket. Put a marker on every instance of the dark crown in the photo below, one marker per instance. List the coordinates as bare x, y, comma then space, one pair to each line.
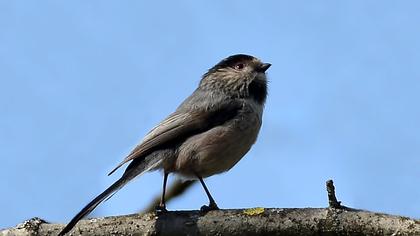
231, 61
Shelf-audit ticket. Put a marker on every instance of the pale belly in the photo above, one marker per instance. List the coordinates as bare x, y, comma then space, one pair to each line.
218, 149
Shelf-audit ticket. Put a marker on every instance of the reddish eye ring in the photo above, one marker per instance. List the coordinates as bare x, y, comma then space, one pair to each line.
239, 66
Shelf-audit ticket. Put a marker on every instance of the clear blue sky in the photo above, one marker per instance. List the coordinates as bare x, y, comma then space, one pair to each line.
83, 81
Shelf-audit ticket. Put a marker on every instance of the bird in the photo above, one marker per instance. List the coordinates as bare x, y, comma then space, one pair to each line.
209, 132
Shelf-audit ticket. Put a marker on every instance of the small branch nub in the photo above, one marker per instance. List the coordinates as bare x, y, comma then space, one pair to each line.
332, 200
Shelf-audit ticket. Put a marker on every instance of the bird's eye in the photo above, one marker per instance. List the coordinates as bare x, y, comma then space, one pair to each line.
239, 66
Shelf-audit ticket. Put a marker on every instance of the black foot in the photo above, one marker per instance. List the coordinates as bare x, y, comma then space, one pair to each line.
160, 210
210, 207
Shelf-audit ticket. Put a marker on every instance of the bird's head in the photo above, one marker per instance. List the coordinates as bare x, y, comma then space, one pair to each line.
238, 76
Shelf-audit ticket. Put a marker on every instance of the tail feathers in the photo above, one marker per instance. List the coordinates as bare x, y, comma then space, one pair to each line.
136, 168
95, 202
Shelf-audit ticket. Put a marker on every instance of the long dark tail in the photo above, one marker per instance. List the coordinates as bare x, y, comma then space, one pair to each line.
95, 202
136, 167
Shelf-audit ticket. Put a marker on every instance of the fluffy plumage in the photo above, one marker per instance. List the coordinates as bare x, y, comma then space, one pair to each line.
207, 134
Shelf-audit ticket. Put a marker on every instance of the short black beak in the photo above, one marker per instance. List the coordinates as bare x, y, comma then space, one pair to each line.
264, 67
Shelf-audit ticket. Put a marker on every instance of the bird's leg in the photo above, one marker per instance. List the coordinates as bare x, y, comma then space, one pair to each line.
212, 204
162, 207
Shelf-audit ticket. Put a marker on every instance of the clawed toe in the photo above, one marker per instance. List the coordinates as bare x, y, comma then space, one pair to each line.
210, 207
160, 209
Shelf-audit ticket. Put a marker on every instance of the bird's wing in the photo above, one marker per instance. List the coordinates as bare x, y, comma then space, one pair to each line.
181, 125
